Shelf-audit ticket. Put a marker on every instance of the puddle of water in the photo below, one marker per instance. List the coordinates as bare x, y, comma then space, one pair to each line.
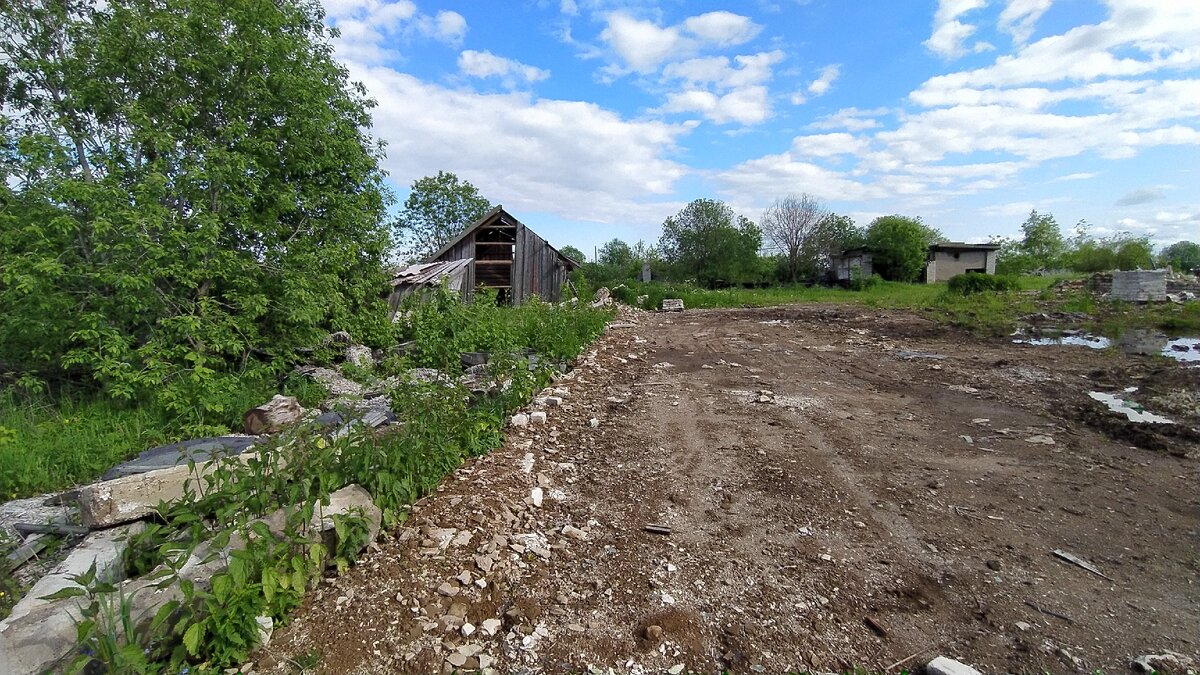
1183, 349
1070, 338
1130, 409
1136, 341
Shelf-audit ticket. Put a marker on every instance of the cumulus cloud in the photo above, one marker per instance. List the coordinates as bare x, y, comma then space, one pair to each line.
821, 85
852, 119
577, 160
744, 105
644, 45
368, 27
723, 29
949, 34
484, 64
1141, 196
1019, 17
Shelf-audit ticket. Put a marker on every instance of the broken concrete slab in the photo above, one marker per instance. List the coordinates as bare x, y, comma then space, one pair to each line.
176, 454
104, 549
42, 638
129, 498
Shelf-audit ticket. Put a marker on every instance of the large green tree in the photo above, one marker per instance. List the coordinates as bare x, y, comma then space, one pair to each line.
437, 209
899, 246
615, 253
573, 253
1183, 256
185, 186
708, 242
1041, 246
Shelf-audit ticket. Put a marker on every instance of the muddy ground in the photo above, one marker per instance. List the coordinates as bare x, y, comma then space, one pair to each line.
844, 487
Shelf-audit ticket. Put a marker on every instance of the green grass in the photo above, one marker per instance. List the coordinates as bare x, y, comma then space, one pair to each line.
51, 443
992, 313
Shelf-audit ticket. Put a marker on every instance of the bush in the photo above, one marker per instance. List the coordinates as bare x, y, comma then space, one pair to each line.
625, 294
861, 283
973, 282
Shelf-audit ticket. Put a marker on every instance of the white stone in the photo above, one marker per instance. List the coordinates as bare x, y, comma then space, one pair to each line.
468, 629
520, 420
537, 417
947, 666
536, 495
490, 626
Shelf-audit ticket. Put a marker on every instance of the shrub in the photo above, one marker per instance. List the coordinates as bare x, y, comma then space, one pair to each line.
973, 282
859, 282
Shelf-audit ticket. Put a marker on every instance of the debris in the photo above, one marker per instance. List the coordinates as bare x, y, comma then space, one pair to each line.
875, 626
51, 528
467, 629
675, 669
538, 417
536, 495
946, 666
360, 355
1168, 661
672, 305
574, 532
593, 423
1076, 560
653, 632
1048, 612
520, 420
490, 626
1040, 439
656, 528
1023, 626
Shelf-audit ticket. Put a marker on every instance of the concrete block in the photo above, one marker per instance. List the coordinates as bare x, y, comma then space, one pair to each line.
105, 548
130, 498
1140, 285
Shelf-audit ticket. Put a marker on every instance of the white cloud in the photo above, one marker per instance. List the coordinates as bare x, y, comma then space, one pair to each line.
644, 45
1019, 17
949, 34
486, 64
744, 70
369, 28
851, 119
573, 159
1078, 176
829, 145
723, 29
449, 27
821, 85
744, 105
568, 7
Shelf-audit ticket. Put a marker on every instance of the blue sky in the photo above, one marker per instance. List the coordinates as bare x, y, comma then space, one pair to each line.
594, 119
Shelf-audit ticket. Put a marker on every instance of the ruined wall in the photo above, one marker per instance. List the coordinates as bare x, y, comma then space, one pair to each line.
946, 264
1140, 286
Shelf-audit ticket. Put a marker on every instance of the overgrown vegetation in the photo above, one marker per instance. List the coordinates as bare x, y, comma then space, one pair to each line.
214, 625
972, 283
187, 195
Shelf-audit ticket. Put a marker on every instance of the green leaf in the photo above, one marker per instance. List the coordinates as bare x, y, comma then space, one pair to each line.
192, 637
68, 592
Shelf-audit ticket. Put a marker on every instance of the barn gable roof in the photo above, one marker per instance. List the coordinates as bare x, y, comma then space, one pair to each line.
497, 214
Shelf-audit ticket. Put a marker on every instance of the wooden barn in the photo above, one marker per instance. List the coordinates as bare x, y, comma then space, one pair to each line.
509, 257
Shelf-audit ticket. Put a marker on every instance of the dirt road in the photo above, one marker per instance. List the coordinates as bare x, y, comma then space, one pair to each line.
843, 486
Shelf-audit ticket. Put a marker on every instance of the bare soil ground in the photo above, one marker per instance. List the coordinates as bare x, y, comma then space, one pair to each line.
874, 507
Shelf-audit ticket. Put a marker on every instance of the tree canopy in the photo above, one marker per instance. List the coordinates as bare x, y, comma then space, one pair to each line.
899, 246
182, 185
615, 252
1183, 256
708, 242
573, 253
438, 209
792, 224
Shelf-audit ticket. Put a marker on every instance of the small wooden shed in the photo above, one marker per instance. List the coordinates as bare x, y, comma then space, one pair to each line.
509, 257
417, 278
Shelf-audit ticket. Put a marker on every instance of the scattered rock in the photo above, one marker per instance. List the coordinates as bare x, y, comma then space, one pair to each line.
536, 495
1040, 439
593, 423
490, 626
537, 417
994, 565
653, 632
457, 660
1168, 662
360, 355
273, 416
678, 667
447, 589
1021, 625
574, 533
946, 666
467, 629
520, 420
